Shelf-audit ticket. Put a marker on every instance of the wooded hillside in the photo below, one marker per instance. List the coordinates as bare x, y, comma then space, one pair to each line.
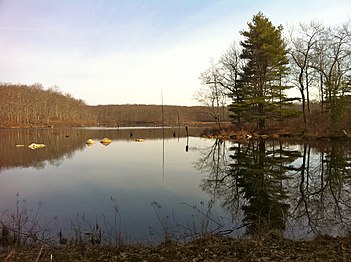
22, 105
149, 114
25, 106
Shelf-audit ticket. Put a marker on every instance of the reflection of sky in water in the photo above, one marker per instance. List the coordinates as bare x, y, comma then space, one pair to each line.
128, 171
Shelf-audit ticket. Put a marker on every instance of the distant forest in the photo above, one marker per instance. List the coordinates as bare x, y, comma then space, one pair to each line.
34, 105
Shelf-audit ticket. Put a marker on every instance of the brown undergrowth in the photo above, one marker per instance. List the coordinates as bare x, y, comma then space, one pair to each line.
210, 248
316, 128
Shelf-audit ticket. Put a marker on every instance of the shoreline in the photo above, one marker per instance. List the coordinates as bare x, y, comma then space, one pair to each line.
212, 132
245, 135
270, 247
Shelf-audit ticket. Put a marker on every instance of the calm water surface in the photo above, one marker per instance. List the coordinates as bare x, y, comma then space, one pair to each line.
75, 182
301, 189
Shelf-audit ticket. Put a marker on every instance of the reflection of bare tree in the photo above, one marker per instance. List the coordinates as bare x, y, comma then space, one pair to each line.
271, 183
219, 181
324, 202
214, 162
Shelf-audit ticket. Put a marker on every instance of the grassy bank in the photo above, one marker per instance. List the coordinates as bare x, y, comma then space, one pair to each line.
213, 248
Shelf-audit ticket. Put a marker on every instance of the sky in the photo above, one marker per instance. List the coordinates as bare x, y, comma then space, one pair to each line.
134, 51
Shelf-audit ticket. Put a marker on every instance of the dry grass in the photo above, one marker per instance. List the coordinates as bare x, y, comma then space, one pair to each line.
213, 248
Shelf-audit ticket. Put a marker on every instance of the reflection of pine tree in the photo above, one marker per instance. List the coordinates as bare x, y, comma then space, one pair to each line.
251, 180
261, 173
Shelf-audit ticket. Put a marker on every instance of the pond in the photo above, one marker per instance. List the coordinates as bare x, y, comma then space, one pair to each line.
152, 183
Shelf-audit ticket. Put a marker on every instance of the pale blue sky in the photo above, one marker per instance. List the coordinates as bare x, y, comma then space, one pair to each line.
126, 51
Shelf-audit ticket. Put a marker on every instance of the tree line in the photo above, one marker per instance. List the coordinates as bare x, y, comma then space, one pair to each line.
34, 105
150, 114
255, 76
22, 105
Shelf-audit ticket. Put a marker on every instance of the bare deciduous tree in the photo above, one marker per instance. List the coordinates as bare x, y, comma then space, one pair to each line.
213, 97
302, 43
333, 62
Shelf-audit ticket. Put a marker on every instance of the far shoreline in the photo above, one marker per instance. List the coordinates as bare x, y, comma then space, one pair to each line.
228, 132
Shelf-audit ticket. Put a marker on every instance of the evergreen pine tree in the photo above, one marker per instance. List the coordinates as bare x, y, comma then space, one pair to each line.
266, 63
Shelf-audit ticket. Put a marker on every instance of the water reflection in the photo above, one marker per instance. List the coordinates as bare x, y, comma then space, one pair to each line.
322, 199
300, 189
87, 177
62, 143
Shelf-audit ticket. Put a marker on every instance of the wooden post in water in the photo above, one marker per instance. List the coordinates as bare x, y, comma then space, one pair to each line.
178, 124
163, 138
187, 139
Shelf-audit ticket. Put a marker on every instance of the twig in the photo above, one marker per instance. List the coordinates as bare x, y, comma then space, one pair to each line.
39, 254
